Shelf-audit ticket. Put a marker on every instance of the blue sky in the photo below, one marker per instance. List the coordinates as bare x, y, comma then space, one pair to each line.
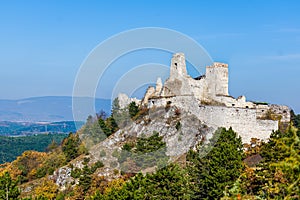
43, 43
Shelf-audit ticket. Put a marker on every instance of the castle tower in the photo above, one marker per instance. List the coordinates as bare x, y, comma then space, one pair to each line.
217, 79
178, 66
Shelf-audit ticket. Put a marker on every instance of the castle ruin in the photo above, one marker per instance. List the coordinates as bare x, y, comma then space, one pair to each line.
207, 98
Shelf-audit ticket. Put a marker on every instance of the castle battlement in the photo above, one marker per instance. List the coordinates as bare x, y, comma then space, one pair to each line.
218, 64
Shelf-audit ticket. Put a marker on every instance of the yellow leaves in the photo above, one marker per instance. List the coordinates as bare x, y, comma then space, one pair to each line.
115, 184
32, 174
10, 168
47, 189
26, 164
31, 159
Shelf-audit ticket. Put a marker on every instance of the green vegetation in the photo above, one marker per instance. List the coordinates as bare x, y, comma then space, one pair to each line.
278, 176
11, 147
145, 152
217, 173
219, 168
71, 147
8, 187
133, 109
260, 103
170, 182
178, 126
295, 119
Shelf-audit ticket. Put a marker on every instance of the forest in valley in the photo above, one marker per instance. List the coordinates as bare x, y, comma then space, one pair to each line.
11, 147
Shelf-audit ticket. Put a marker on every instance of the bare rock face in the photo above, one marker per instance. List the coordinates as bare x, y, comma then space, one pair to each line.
180, 130
62, 177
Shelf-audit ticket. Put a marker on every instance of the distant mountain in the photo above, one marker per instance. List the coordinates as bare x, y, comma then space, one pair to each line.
50, 109
32, 128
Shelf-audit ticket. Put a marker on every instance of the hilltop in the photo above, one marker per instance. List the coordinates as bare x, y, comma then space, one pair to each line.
187, 138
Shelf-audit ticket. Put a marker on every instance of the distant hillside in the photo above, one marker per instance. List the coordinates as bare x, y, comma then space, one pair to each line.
31, 128
49, 109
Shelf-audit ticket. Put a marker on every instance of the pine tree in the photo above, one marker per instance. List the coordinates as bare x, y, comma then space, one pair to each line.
219, 169
70, 146
133, 109
171, 182
104, 128
85, 179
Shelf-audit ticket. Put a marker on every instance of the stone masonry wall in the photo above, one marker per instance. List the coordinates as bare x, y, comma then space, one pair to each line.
242, 120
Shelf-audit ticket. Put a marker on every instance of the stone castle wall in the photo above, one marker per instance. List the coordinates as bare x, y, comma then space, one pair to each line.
242, 120
207, 97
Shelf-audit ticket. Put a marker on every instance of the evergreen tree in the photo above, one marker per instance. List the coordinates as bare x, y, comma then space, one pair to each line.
8, 187
104, 128
279, 174
115, 107
85, 179
171, 182
70, 146
133, 109
295, 119
112, 124
219, 169
121, 116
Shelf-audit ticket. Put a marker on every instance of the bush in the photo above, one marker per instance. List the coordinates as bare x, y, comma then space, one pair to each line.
96, 165
178, 126
75, 173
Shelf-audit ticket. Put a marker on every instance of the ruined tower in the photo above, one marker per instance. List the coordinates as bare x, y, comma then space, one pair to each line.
178, 66
217, 79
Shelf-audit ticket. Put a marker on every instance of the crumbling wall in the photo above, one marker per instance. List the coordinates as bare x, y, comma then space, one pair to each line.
242, 120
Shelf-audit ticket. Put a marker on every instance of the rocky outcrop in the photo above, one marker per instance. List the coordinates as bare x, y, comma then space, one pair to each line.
181, 131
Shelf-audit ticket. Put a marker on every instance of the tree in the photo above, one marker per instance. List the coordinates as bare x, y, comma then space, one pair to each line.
70, 146
115, 107
279, 174
8, 187
46, 190
295, 119
219, 169
120, 115
85, 179
112, 124
133, 109
171, 182
104, 128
